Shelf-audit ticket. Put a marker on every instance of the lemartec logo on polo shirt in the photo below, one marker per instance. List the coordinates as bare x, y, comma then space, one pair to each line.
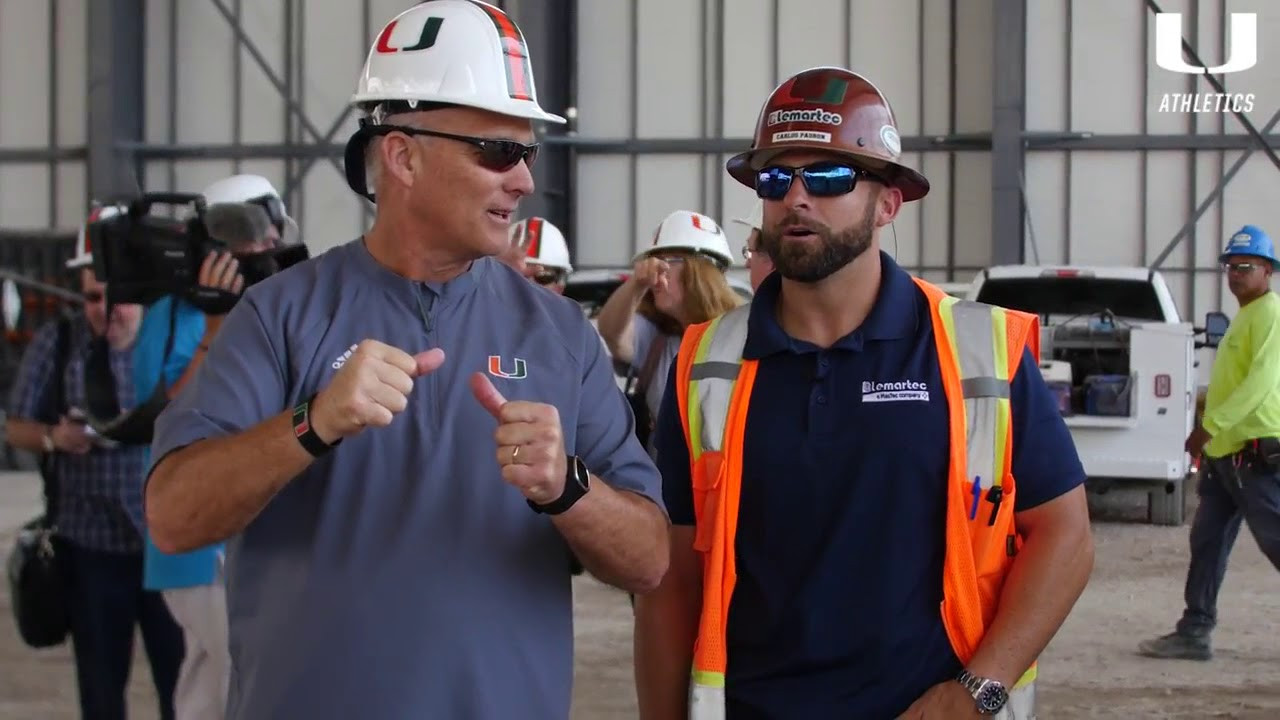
900, 391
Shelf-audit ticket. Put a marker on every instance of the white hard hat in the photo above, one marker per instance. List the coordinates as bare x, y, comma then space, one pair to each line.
459, 52
84, 253
543, 242
443, 52
238, 189
246, 188
685, 230
754, 219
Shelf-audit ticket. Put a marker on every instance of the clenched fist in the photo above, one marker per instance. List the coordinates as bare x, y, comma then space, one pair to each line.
530, 442
370, 389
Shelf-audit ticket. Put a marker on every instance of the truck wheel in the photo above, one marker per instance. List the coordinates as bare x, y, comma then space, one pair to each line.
1166, 505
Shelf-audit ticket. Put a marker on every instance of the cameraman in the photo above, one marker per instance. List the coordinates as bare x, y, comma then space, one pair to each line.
247, 216
97, 492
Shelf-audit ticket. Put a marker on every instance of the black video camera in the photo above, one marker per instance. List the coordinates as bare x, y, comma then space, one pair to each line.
143, 256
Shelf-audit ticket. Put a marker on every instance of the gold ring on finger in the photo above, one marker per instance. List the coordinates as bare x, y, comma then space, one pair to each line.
515, 451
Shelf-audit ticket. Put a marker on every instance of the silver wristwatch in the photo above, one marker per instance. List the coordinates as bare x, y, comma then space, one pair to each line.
989, 695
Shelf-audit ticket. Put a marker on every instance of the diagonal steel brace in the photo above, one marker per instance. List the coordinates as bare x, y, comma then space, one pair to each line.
1215, 194
244, 39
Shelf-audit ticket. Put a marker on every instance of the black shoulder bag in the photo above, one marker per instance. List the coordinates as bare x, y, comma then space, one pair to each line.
636, 387
35, 579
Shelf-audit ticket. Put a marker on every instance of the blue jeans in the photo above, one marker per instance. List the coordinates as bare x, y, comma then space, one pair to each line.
106, 602
1228, 496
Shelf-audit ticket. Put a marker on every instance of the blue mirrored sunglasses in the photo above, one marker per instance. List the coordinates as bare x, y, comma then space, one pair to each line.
824, 179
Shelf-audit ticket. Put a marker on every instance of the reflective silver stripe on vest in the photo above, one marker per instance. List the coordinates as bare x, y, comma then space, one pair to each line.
714, 375
980, 379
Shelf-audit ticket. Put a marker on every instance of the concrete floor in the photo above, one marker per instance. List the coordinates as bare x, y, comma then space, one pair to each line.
1090, 670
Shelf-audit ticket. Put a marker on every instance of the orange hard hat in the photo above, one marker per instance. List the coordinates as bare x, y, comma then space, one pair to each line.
834, 110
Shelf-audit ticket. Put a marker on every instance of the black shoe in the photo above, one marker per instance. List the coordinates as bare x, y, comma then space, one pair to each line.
1175, 646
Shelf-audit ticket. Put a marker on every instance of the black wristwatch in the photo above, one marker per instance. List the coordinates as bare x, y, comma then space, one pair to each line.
576, 483
310, 441
989, 695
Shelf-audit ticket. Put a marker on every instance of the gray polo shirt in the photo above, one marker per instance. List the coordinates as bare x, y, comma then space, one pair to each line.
399, 576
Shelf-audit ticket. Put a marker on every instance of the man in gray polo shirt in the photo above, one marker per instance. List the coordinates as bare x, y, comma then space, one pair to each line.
402, 438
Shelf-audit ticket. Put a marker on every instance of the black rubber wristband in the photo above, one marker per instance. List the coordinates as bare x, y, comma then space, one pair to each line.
307, 437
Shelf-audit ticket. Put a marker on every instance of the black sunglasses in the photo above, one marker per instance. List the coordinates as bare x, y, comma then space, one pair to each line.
494, 154
825, 179
551, 277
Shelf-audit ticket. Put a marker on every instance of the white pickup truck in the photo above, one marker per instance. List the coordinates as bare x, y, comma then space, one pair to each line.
1121, 362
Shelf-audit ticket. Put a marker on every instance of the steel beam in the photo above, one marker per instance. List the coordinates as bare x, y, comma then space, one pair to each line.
53, 112
1235, 141
42, 155
975, 142
116, 95
1008, 121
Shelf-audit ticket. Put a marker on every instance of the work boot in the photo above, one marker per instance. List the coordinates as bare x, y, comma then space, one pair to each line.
1176, 646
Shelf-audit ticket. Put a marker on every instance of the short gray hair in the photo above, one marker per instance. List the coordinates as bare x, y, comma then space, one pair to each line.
372, 164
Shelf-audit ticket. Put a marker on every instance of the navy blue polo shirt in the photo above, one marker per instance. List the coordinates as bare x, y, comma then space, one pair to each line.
840, 540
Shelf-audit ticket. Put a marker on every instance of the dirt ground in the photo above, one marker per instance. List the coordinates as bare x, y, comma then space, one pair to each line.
1090, 670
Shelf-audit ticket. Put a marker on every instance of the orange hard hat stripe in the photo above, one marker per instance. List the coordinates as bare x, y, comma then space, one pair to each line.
519, 74
533, 237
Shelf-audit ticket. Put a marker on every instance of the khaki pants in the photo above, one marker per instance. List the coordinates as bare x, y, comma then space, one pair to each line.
201, 692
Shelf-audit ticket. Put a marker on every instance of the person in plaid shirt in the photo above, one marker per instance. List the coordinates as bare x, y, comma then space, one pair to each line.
99, 505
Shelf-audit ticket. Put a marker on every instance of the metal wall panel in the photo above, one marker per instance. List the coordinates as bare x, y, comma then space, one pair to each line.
1091, 69
1105, 224
1106, 66
749, 74
973, 45
664, 73
972, 225
602, 221
42, 81
688, 71
211, 89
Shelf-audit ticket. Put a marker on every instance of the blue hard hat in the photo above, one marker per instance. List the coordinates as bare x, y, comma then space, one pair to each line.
1250, 240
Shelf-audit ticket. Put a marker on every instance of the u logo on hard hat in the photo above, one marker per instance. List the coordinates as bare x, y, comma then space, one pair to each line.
430, 31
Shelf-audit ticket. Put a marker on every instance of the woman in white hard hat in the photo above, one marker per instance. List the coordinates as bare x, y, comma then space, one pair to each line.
678, 281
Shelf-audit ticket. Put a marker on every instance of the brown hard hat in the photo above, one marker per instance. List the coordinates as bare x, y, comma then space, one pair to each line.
834, 110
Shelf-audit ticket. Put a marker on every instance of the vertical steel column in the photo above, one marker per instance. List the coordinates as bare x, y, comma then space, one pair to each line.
237, 85
53, 112
953, 35
1009, 90
1067, 126
116, 94
543, 25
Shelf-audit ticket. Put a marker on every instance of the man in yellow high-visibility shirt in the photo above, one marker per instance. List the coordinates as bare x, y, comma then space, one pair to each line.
1240, 439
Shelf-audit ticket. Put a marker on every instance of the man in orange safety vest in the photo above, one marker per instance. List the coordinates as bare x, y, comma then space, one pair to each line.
877, 509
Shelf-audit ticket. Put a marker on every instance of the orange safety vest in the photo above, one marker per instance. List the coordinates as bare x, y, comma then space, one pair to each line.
979, 348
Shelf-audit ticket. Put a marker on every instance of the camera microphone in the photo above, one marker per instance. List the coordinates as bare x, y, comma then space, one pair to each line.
237, 225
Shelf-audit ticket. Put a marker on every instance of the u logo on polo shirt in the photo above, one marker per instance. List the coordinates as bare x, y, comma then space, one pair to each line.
519, 372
